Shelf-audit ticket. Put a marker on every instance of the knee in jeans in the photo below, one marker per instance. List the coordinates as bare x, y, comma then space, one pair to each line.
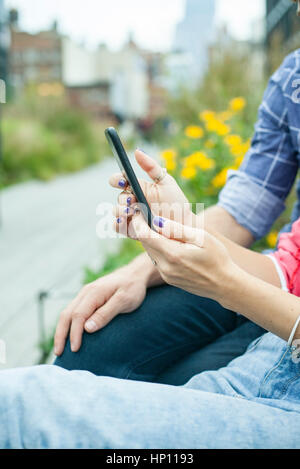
108, 352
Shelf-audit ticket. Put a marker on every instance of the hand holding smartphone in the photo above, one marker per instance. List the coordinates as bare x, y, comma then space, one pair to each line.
128, 172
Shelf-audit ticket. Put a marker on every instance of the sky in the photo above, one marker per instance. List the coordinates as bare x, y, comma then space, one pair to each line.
152, 22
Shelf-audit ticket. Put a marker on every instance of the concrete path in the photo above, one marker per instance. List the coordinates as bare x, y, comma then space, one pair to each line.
48, 236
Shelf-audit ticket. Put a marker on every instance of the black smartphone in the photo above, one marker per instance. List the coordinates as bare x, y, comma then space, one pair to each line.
128, 172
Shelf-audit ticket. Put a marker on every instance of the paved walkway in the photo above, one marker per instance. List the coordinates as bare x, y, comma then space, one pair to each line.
48, 236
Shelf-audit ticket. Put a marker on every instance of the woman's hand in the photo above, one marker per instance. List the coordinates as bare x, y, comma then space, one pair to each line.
188, 258
164, 197
98, 303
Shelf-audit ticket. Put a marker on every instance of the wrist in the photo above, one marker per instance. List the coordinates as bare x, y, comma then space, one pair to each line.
230, 288
142, 269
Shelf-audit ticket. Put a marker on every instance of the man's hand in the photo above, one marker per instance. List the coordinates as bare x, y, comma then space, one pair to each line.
97, 304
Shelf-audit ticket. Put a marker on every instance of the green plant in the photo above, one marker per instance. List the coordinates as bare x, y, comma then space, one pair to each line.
43, 137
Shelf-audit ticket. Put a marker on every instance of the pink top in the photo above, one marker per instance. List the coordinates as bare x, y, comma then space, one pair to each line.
288, 258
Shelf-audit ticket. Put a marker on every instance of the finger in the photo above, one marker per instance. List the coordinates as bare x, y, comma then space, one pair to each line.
63, 326
151, 167
127, 199
177, 231
120, 226
84, 310
149, 238
104, 315
76, 333
61, 333
123, 211
118, 181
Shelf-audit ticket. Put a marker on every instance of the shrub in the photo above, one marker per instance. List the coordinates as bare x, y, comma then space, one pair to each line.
45, 137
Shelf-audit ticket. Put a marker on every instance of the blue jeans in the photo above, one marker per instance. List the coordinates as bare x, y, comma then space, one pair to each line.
252, 403
171, 337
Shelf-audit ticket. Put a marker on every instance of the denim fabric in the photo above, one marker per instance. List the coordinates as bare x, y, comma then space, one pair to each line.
255, 194
251, 403
164, 340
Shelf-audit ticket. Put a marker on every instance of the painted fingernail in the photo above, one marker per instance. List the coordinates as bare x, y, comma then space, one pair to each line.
127, 210
119, 220
137, 210
91, 326
159, 221
122, 183
129, 201
143, 151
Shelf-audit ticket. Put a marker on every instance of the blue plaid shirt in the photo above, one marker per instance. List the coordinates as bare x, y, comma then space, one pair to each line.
255, 194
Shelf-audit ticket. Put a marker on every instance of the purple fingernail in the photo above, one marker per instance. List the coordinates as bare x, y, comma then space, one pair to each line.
127, 210
143, 151
159, 221
122, 183
119, 220
129, 201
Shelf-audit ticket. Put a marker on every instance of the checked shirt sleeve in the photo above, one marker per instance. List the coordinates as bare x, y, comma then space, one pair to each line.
255, 194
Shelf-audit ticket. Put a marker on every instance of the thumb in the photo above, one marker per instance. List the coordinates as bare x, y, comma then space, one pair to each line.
151, 167
177, 231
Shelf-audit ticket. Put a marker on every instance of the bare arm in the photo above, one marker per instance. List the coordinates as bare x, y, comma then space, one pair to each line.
264, 304
217, 219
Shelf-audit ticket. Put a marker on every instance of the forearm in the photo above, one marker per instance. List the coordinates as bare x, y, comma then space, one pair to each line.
272, 308
252, 262
256, 264
143, 268
218, 219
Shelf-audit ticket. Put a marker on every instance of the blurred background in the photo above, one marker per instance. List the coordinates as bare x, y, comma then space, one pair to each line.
181, 79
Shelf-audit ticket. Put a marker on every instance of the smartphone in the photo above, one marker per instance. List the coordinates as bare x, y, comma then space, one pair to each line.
128, 173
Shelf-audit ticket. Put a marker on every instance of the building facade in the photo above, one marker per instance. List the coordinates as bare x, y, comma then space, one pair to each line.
194, 34
34, 58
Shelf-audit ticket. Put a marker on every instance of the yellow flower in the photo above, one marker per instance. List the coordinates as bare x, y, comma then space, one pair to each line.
237, 104
207, 115
272, 239
237, 150
209, 144
194, 131
169, 157
170, 165
218, 127
201, 160
168, 154
221, 178
212, 125
239, 160
223, 129
233, 140
188, 172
